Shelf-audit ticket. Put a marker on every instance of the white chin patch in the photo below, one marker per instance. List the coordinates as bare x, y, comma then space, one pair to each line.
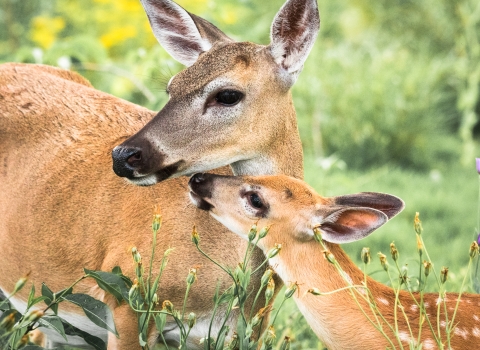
148, 180
232, 225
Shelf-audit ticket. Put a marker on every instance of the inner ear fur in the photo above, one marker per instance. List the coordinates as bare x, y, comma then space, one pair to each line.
386, 203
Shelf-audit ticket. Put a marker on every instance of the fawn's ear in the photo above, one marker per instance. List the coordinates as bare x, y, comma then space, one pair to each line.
353, 217
183, 35
293, 33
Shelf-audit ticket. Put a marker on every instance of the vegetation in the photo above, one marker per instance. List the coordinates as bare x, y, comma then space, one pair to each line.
388, 100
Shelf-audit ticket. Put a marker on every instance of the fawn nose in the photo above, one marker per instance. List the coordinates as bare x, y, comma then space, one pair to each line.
126, 160
200, 184
197, 178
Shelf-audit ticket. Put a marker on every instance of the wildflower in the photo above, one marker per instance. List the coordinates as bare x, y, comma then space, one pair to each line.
33, 316
137, 258
155, 299
23, 340
269, 290
473, 249
269, 336
314, 291
286, 344
427, 265
393, 251
264, 232
419, 244
274, 251
192, 319
234, 343
21, 282
252, 233
443, 274
417, 224
329, 256
9, 321
195, 236
383, 261
168, 306
291, 289
365, 255
157, 219
317, 233
259, 315
192, 276
139, 269
133, 292
267, 275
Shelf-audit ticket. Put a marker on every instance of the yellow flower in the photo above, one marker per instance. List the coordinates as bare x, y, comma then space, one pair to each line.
45, 30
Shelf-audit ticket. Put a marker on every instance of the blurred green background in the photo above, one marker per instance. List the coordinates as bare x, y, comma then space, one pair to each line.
388, 100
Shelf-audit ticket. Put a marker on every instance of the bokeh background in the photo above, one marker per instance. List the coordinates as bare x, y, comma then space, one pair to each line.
388, 100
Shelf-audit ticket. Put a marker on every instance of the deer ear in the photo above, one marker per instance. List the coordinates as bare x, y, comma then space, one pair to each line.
386, 203
293, 33
183, 35
351, 224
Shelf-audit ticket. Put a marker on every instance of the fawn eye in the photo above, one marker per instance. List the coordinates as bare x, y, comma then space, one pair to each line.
229, 97
255, 201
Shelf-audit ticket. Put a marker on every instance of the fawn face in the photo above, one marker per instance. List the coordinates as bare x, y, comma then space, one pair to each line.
291, 206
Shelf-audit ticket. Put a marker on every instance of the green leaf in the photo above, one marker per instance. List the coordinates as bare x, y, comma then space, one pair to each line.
160, 321
96, 342
33, 347
49, 297
220, 344
54, 323
111, 283
30, 297
97, 311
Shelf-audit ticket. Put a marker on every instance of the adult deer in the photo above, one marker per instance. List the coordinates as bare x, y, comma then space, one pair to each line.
62, 208
294, 210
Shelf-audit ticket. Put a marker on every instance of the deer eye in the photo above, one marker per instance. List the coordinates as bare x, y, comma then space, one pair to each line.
229, 97
255, 200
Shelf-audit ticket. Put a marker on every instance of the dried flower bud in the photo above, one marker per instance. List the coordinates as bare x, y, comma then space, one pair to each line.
473, 250
314, 291
317, 233
291, 289
137, 258
23, 341
259, 315
417, 224
443, 274
168, 306
9, 321
269, 336
270, 290
234, 343
133, 292
383, 261
393, 251
252, 233
267, 275
365, 255
155, 299
195, 236
329, 256
264, 231
139, 270
403, 275
286, 344
21, 282
274, 251
33, 316
192, 319
419, 244
192, 276
427, 265
157, 219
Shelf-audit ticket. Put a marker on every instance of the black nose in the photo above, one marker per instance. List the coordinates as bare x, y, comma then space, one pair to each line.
201, 184
197, 178
126, 160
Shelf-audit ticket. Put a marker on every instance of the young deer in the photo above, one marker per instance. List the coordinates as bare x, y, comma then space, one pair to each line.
294, 210
61, 206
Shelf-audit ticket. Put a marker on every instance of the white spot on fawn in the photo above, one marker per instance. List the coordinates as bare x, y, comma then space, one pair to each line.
426, 305
404, 336
428, 344
414, 307
461, 332
443, 324
383, 301
475, 317
476, 332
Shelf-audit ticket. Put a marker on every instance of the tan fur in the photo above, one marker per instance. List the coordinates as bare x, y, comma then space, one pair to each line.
62, 208
336, 319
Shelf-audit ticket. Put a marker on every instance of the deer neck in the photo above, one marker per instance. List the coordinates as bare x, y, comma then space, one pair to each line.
283, 155
335, 318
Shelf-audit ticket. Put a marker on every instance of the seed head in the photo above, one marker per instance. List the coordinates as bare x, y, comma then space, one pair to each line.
259, 315
168, 306
286, 344
473, 249
274, 251
314, 291
417, 224
365, 255
291, 289
270, 336
270, 290
383, 261
329, 256
427, 265
443, 274
192, 319
393, 251
252, 233
157, 220
192, 276
195, 236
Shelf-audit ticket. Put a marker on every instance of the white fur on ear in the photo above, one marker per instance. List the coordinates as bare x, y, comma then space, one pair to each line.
293, 34
175, 30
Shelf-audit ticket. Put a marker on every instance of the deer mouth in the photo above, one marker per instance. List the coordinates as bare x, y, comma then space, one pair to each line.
200, 190
199, 202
